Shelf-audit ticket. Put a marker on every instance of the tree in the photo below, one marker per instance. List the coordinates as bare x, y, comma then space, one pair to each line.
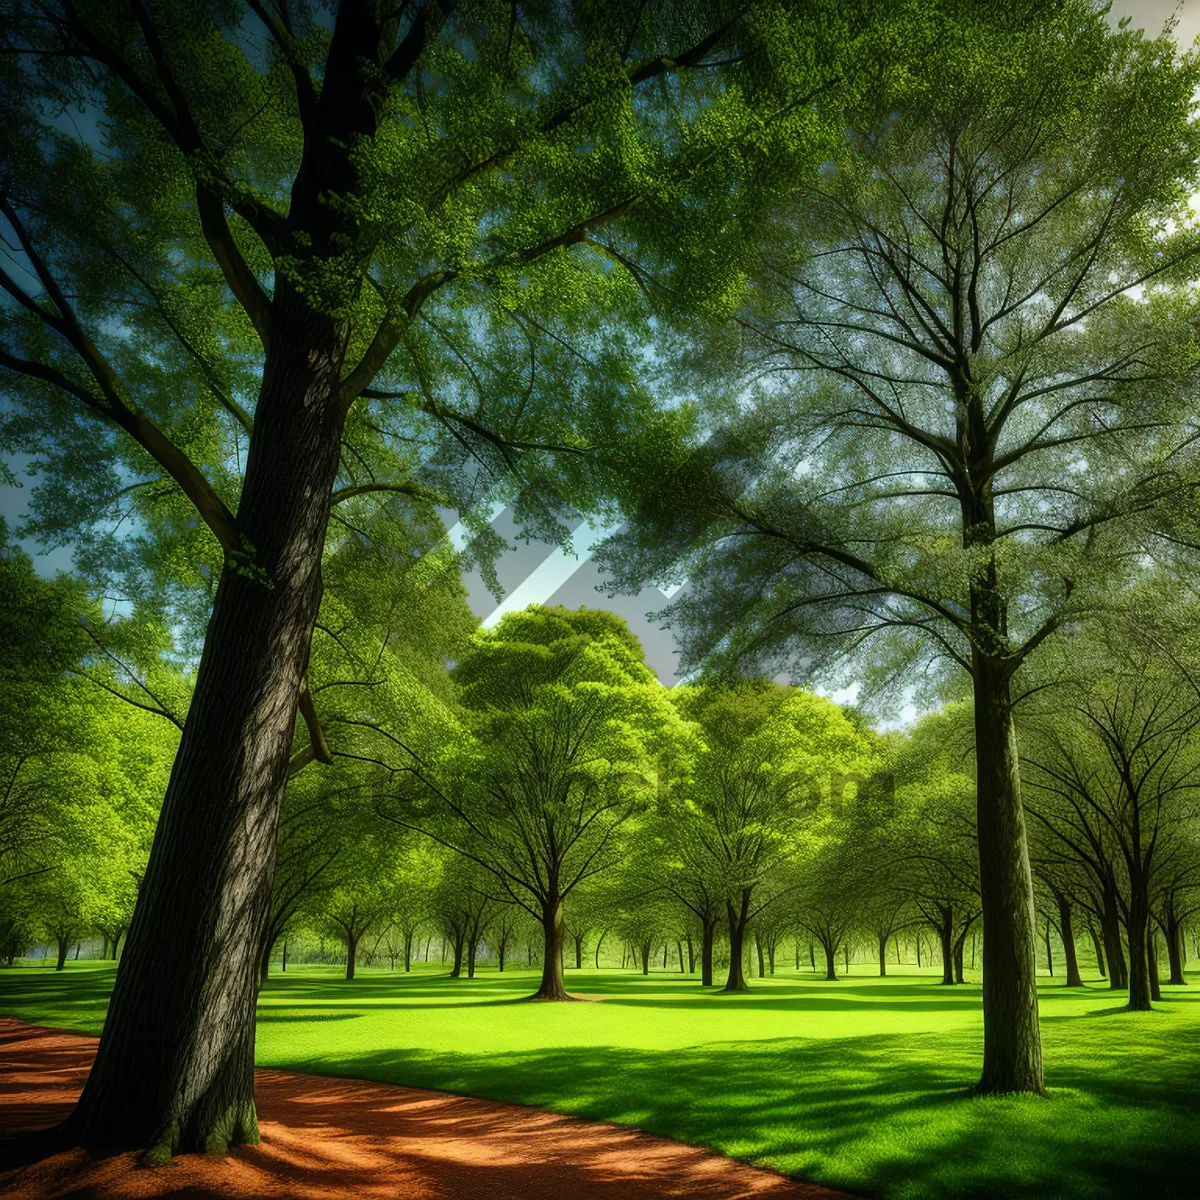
1124, 769
562, 719
769, 757
286, 228
948, 381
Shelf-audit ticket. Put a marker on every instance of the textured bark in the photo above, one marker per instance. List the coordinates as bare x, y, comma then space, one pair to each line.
737, 918
1066, 929
174, 1070
1139, 970
1012, 1044
553, 931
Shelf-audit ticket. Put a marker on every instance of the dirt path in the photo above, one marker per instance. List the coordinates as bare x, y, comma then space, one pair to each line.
341, 1138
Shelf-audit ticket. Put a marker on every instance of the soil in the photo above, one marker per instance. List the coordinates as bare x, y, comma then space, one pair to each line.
325, 1138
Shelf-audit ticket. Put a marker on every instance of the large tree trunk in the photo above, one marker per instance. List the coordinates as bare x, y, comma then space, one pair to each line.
175, 1067
1012, 1042
830, 959
64, 945
552, 987
1066, 929
1139, 972
737, 933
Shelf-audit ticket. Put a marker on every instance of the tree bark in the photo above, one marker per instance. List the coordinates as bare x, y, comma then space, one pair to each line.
762, 970
579, 951
1110, 927
945, 932
1012, 1043
1139, 971
1099, 949
175, 1067
599, 943
706, 953
456, 969
1174, 941
691, 954
63, 947
883, 956
351, 954
552, 987
830, 959
1152, 962
1066, 929
116, 942
737, 918
1049, 951
408, 941
645, 956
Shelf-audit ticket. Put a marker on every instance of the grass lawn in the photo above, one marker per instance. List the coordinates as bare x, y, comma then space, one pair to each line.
861, 1083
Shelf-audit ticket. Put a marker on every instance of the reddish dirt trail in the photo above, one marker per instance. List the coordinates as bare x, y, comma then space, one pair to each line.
340, 1138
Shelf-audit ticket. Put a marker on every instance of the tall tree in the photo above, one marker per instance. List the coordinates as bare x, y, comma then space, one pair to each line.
562, 723
967, 369
267, 256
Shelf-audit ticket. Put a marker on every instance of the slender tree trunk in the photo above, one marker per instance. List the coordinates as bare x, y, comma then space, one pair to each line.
762, 970
737, 918
1098, 948
63, 947
959, 945
771, 956
599, 943
1174, 941
408, 943
1152, 962
456, 969
283, 957
679, 947
579, 952
1012, 1042
264, 966
351, 954
882, 956
918, 947
691, 954
175, 1066
945, 932
796, 944
812, 953
552, 987
1066, 929
707, 937
646, 948
1110, 926
1049, 951
116, 943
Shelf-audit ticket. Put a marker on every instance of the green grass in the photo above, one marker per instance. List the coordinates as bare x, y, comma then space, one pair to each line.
861, 1083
